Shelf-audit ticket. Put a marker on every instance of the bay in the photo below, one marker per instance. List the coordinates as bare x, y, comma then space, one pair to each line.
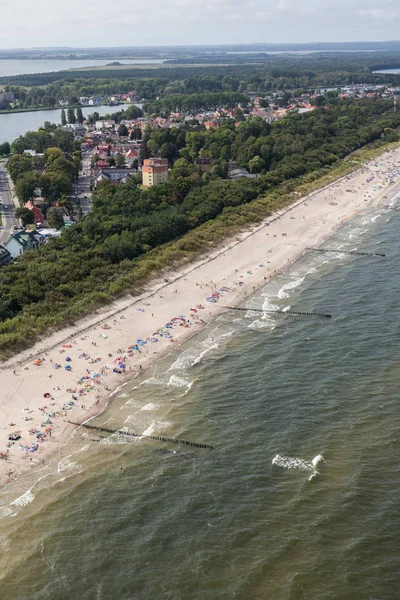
9, 67
254, 518
12, 125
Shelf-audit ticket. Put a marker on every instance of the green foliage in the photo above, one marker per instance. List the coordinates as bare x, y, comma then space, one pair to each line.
123, 130
63, 117
131, 231
25, 215
79, 116
19, 164
5, 149
25, 185
55, 218
71, 118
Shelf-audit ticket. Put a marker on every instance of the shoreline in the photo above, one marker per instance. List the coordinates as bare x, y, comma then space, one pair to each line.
241, 265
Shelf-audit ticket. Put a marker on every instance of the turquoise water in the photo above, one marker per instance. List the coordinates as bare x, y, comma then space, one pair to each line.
253, 518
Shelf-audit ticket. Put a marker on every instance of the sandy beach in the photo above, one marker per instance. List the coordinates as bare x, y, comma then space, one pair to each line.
72, 374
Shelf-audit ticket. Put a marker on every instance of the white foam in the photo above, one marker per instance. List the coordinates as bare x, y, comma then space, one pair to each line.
150, 406
150, 430
175, 381
5, 511
23, 500
193, 355
294, 463
65, 463
282, 294
119, 388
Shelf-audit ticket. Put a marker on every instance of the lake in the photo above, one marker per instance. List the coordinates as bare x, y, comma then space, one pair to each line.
21, 67
12, 125
388, 71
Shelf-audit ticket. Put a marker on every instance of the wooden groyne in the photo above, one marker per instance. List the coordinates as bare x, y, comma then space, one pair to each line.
157, 438
326, 250
280, 312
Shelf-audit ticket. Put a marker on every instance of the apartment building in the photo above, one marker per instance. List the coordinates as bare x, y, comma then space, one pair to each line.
155, 171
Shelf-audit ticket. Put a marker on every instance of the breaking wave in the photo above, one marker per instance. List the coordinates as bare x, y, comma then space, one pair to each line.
294, 463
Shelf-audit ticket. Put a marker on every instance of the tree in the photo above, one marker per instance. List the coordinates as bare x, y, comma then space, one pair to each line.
26, 185
136, 133
111, 161
133, 112
123, 130
52, 154
120, 161
5, 149
257, 164
25, 216
19, 163
63, 117
93, 118
79, 115
71, 116
55, 184
55, 218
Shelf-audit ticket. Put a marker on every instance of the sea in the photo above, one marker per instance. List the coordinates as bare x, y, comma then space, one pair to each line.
299, 497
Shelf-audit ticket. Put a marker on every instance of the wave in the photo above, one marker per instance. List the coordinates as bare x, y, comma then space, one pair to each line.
150, 406
294, 463
23, 500
282, 294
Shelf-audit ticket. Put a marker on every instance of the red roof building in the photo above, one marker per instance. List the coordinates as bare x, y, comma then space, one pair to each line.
37, 213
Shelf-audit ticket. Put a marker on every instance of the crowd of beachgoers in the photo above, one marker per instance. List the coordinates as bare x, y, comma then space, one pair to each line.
71, 375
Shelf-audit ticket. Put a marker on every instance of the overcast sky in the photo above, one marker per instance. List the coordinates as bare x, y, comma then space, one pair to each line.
31, 23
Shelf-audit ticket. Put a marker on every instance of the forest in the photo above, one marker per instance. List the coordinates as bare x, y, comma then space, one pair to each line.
131, 233
280, 72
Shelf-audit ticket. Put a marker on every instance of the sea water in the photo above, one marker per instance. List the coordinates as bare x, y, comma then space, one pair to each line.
299, 499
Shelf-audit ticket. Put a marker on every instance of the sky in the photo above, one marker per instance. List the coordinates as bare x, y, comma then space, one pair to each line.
85, 23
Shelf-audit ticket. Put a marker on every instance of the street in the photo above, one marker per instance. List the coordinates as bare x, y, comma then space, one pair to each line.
6, 207
82, 188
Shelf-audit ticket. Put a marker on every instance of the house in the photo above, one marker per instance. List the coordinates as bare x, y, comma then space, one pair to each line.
132, 154
105, 124
5, 257
7, 97
37, 213
235, 172
20, 241
114, 175
205, 164
95, 101
211, 124
155, 171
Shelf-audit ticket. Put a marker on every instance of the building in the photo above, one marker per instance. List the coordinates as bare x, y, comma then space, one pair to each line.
114, 175
20, 241
6, 97
104, 124
205, 164
155, 171
5, 257
37, 213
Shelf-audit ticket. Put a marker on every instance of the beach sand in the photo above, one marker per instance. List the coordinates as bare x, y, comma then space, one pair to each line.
35, 397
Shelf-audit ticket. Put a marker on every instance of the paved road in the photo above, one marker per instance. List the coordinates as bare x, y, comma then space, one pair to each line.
6, 207
82, 188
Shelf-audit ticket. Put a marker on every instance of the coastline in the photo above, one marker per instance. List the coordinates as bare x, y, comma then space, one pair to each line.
241, 265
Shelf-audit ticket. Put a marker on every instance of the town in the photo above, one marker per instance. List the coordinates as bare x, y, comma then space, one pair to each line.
120, 146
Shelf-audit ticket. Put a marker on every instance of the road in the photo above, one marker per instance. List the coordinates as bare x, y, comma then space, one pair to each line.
82, 188
6, 207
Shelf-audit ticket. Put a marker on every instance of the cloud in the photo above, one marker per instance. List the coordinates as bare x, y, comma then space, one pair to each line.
78, 23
